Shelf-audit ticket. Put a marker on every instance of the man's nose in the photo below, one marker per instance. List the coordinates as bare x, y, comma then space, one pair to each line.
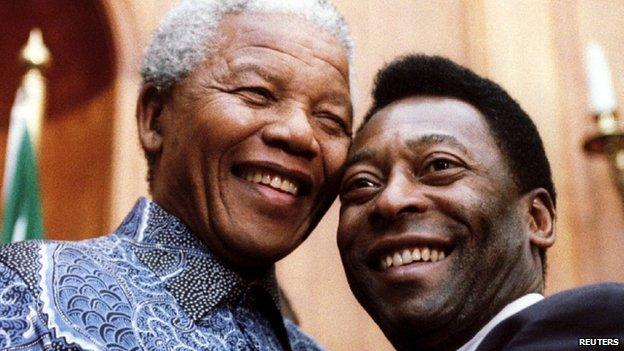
402, 195
293, 133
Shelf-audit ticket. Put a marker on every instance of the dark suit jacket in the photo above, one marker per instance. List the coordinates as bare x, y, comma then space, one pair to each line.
558, 322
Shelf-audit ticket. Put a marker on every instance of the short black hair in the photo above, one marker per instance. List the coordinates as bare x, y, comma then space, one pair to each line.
512, 128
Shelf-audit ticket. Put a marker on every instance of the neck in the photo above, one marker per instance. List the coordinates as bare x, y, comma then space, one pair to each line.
459, 330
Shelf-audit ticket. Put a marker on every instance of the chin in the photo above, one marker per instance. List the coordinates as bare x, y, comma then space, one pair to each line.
257, 250
396, 308
405, 327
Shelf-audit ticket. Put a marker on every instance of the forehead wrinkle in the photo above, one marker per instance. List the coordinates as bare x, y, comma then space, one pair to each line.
435, 139
255, 68
344, 77
285, 51
313, 53
309, 52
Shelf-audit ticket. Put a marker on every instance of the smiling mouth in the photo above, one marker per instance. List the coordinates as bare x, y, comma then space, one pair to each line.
405, 257
272, 179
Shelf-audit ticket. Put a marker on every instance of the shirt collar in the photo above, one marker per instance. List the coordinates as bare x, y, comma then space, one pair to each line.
512, 308
198, 280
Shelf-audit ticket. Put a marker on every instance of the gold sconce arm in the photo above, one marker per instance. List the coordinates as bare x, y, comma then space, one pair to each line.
609, 141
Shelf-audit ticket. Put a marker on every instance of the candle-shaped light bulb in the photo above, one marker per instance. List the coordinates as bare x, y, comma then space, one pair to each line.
35, 53
601, 93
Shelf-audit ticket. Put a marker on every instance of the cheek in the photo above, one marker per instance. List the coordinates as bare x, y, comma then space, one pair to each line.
224, 122
493, 233
334, 153
225, 114
350, 228
343, 240
472, 209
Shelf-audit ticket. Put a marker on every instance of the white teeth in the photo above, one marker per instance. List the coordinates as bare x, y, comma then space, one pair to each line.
416, 254
405, 256
274, 181
285, 185
388, 261
266, 179
434, 255
397, 260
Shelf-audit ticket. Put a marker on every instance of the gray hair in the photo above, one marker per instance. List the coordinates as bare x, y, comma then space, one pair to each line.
185, 36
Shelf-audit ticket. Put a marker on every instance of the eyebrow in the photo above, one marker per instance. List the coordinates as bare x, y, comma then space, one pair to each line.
336, 99
270, 76
435, 139
252, 67
362, 155
412, 144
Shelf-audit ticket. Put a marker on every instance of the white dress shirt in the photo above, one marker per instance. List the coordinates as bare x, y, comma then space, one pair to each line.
509, 310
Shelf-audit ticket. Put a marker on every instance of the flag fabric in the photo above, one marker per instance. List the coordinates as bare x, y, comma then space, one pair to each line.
20, 189
22, 199
22, 209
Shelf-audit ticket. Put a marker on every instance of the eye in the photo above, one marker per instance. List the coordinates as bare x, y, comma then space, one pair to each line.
361, 183
258, 96
332, 124
440, 164
441, 170
359, 189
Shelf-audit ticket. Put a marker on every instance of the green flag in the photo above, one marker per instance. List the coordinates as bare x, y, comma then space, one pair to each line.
22, 210
20, 189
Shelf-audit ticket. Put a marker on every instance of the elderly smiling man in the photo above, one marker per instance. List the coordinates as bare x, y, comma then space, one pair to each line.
245, 120
448, 207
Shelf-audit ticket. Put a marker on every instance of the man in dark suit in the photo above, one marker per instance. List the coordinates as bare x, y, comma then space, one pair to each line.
448, 208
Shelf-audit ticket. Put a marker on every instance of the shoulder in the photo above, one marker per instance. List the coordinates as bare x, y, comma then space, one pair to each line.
298, 339
21, 324
559, 321
598, 304
34, 263
30, 258
597, 293
22, 258
49, 289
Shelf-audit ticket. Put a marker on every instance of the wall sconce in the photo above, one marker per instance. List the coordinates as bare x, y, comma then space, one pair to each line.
609, 141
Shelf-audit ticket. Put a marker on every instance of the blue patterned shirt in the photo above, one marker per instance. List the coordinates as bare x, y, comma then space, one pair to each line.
150, 285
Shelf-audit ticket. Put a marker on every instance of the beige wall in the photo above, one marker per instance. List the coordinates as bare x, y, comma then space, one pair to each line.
532, 47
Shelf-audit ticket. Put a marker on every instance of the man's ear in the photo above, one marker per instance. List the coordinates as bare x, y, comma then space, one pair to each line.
541, 218
149, 110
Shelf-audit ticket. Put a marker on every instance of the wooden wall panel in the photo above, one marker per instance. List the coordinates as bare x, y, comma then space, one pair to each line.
597, 210
385, 30
75, 162
131, 23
